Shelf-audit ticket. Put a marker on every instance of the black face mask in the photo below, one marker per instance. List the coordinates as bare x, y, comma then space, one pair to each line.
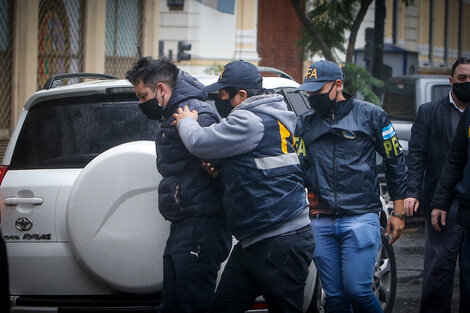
462, 91
152, 109
322, 103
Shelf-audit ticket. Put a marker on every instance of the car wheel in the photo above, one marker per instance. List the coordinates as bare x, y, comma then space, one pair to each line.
385, 275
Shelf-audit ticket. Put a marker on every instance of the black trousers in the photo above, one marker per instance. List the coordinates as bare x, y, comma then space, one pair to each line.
275, 267
194, 251
4, 282
440, 256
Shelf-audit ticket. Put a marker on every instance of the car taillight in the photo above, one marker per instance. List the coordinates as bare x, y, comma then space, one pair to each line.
259, 306
3, 171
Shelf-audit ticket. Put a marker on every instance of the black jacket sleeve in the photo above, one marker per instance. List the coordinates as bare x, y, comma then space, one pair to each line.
416, 159
388, 146
453, 170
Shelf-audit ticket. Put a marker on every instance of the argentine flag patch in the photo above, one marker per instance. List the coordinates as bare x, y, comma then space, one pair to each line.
388, 132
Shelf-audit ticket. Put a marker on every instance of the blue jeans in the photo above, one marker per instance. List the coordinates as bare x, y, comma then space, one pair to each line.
345, 253
275, 267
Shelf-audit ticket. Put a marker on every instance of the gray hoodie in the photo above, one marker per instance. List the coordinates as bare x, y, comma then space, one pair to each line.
239, 133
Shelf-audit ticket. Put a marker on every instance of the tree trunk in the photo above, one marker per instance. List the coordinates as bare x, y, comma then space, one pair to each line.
379, 30
328, 54
355, 29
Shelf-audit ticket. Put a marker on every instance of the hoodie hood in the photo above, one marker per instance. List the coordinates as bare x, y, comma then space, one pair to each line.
272, 105
186, 87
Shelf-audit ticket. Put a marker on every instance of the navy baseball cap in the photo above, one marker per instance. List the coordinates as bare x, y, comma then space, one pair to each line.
318, 74
238, 74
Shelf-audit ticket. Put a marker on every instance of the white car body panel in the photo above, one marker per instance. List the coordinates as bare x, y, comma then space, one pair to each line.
49, 268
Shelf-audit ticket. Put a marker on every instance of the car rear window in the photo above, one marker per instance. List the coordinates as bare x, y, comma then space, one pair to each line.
439, 92
70, 132
399, 99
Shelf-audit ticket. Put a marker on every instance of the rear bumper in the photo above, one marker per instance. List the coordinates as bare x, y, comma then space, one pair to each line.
82, 304
89, 304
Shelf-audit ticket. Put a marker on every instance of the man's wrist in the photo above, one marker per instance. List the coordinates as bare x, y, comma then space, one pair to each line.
398, 215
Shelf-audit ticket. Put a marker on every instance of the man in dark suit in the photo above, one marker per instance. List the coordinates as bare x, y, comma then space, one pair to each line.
431, 136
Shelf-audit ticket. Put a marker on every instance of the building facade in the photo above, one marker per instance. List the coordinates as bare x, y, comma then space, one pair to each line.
40, 38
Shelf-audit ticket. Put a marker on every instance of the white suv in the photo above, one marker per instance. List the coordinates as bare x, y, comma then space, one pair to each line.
78, 192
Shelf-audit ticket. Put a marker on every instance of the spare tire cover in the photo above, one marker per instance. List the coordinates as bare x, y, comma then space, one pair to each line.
113, 221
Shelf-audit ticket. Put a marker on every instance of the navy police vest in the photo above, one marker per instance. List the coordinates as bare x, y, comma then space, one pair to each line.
264, 187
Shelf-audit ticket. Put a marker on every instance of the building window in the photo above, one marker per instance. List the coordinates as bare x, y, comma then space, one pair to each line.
60, 44
123, 35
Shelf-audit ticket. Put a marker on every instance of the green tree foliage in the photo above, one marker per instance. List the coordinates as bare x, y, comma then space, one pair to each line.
330, 19
358, 80
215, 69
328, 28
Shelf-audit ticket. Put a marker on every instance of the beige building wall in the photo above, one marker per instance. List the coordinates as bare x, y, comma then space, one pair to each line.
150, 32
25, 55
465, 27
246, 34
438, 34
95, 32
453, 34
411, 24
423, 33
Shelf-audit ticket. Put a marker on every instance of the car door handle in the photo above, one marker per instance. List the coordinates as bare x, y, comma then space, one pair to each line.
15, 201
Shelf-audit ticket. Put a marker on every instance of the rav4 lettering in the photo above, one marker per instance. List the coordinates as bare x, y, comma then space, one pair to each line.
37, 237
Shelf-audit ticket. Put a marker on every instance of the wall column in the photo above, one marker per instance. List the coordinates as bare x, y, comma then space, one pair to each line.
150, 28
246, 35
25, 54
95, 36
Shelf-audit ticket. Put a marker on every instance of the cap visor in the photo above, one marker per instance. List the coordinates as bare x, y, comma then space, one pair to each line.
311, 86
213, 87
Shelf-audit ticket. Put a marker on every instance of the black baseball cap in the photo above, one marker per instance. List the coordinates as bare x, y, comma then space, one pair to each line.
239, 74
318, 74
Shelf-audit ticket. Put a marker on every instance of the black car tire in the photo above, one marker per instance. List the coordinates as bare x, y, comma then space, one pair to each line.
385, 275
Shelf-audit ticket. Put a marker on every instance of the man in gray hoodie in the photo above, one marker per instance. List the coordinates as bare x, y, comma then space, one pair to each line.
264, 197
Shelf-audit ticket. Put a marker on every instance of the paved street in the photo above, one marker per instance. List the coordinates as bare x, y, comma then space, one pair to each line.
409, 252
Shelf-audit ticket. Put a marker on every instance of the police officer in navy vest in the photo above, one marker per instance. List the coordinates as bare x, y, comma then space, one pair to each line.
188, 197
455, 183
340, 136
264, 199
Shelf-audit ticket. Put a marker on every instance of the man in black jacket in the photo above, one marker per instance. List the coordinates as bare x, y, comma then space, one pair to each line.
456, 180
188, 197
431, 136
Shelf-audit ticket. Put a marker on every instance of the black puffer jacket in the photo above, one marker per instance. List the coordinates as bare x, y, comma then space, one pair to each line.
186, 189
338, 153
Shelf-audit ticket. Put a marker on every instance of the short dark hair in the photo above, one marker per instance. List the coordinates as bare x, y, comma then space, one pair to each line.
151, 72
232, 91
461, 60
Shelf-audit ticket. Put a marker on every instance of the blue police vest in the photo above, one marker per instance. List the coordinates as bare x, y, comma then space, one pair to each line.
264, 188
